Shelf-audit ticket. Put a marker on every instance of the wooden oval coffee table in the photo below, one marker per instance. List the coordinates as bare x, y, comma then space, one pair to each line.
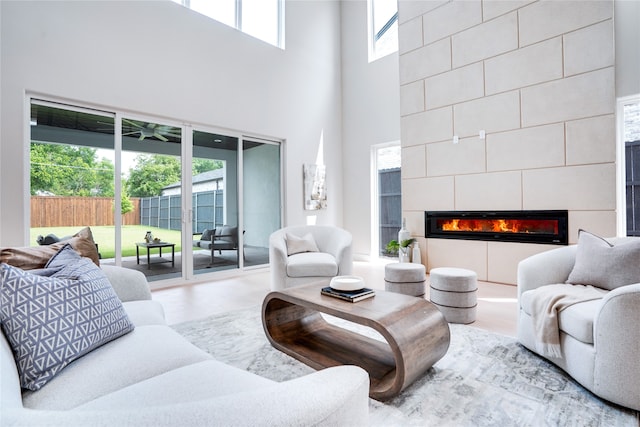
416, 334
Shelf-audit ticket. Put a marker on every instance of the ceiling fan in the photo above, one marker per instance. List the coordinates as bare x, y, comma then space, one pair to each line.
149, 130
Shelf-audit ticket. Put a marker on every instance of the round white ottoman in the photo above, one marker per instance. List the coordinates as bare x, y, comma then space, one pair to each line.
405, 278
454, 292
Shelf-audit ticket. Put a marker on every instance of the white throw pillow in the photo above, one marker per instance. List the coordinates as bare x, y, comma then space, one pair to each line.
601, 264
296, 245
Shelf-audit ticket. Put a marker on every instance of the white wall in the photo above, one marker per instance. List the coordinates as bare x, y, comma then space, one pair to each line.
161, 59
627, 34
371, 115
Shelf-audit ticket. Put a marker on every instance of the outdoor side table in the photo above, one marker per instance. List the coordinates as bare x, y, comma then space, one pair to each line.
159, 259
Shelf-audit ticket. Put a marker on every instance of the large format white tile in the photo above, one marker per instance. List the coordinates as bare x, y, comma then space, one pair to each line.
446, 158
468, 254
489, 191
590, 187
415, 223
412, 98
495, 8
492, 114
503, 259
410, 35
425, 61
409, 9
584, 95
451, 18
536, 147
428, 194
455, 86
484, 41
602, 223
589, 48
547, 110
429, 126
546, 19
591, 140
414, 162
537, 63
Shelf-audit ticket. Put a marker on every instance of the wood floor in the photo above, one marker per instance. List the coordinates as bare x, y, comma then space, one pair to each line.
497, 308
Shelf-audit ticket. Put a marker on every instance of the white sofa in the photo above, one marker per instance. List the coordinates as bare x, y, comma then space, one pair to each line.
152, 376
333, 257
600, 339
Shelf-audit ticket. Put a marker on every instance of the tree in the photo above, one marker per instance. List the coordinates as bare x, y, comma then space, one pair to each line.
125, 204
151, 174
69, 170
105, 178
206, 165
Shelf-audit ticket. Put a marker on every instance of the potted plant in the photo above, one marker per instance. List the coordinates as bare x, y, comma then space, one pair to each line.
402, 248
405, 247
392, 248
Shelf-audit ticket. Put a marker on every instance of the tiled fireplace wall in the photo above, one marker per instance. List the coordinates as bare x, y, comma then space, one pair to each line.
538, 79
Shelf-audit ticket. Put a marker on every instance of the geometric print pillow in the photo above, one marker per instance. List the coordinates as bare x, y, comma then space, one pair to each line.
52, 321
66, 255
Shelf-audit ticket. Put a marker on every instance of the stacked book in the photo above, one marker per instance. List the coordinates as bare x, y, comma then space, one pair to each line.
352, 296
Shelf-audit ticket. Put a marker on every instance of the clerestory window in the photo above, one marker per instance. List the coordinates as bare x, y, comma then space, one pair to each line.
383, 28
262, 19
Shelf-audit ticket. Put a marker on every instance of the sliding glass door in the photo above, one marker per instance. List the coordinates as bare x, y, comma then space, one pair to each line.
152, 175
160, 197
72, 163
261, 198
214, 198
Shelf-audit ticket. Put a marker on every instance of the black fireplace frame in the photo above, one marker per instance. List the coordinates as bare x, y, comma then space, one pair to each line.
561, 238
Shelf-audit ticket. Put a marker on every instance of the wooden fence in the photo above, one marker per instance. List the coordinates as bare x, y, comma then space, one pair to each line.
58, 211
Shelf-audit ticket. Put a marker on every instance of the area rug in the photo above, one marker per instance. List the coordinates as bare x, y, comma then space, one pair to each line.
485, 379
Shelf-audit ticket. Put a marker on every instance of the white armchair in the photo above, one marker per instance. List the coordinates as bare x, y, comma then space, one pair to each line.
332, 258
599, 339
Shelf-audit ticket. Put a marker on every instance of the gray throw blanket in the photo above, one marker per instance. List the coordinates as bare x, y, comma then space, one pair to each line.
546, 303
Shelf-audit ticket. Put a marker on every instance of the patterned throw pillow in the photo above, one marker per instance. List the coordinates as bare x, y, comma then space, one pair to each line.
65, 256
52, 321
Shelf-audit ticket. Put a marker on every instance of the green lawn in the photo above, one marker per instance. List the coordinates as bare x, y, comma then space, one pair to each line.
104, 236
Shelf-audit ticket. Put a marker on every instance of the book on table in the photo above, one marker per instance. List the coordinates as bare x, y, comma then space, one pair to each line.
352, 296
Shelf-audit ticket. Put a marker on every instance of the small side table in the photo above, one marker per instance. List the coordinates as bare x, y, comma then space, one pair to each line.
454, 292
158, 260
405, 278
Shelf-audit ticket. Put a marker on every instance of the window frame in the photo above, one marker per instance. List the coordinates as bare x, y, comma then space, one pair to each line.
621, 187
238, 20
374, 251
373, 36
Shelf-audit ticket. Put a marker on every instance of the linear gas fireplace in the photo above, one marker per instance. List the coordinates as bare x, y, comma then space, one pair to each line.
548, 227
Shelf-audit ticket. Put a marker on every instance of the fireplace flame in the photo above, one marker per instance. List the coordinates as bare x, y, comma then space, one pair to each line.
499, 225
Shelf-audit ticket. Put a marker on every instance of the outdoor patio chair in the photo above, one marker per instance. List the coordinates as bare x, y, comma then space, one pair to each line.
219, 239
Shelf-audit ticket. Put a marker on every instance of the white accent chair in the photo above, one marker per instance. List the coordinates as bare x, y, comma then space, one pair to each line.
334, 257
600, 339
